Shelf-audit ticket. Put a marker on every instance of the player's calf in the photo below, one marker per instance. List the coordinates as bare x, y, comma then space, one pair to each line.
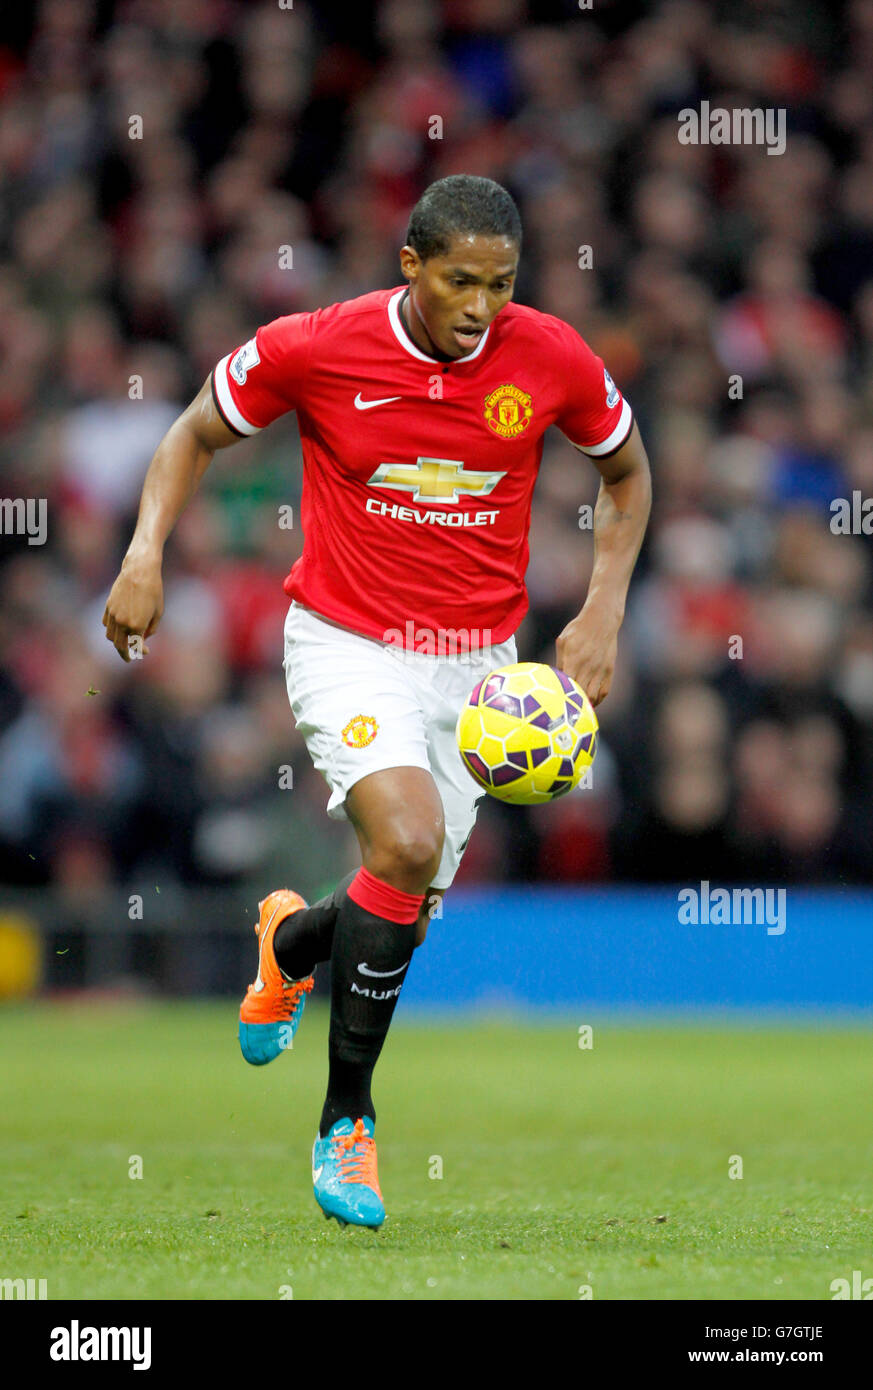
430, 908
373, 944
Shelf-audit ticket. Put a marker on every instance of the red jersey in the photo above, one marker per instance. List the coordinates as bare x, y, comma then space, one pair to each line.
418, 474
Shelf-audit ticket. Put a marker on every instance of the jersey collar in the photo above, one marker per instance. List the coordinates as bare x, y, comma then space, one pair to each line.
406, 342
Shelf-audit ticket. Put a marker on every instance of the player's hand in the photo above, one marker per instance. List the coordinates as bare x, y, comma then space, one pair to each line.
135, 606
587, 651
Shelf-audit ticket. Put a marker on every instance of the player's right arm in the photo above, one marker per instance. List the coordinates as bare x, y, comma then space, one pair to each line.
136, 601
249, 389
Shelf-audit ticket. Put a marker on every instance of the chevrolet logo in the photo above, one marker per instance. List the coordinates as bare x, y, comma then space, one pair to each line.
435, 480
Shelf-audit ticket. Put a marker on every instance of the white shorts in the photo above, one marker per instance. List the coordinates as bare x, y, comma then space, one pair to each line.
363, 706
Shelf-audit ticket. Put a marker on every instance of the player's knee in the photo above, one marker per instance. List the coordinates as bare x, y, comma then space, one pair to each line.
408, 856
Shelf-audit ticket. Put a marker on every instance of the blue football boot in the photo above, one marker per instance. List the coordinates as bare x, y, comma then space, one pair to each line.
344, 1176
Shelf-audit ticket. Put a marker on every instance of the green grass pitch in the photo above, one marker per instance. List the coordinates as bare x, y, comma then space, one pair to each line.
563, 1169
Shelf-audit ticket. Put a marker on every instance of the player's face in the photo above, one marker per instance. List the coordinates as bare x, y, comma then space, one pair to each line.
453, 298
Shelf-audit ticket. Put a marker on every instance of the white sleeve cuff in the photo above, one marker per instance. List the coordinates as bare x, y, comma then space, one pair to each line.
615, 439
226, 403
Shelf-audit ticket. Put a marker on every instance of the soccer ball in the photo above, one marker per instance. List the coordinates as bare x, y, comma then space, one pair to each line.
527, 733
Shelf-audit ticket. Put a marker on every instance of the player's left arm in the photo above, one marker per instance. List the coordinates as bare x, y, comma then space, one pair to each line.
588, 645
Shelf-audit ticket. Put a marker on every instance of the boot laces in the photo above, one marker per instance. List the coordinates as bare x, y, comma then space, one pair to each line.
292, 994
358, 1162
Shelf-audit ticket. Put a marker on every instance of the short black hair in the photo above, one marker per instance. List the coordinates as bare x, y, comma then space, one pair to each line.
461, 205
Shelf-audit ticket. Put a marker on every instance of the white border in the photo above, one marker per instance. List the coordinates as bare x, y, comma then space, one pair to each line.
404, 340
613, 440
226, 401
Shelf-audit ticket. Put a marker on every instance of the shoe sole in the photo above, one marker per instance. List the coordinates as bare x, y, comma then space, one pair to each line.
364, 1225
343, 1221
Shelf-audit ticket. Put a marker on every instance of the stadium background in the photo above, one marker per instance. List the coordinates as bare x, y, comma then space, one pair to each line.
309, 128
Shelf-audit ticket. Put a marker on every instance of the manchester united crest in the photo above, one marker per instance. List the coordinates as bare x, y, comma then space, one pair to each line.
360, 731
508, 411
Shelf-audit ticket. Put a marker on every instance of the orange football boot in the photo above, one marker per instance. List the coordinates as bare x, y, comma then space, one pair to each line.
273, 1006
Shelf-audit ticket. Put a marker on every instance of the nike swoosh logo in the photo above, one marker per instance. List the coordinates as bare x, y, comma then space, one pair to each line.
368, 405
317, 1172
259, 984
381, 974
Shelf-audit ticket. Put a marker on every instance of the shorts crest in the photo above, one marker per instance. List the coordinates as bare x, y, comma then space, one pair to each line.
360, 731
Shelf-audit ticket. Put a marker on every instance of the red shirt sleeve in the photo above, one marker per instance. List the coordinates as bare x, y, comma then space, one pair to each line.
265, 377
596, 418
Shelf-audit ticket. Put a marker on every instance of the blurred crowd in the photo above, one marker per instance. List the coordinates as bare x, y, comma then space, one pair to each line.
730, 293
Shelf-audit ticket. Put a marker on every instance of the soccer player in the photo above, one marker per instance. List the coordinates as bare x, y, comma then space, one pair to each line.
422, 411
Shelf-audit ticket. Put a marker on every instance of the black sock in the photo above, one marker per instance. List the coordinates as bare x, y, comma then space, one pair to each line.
361, 1006
305, 938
